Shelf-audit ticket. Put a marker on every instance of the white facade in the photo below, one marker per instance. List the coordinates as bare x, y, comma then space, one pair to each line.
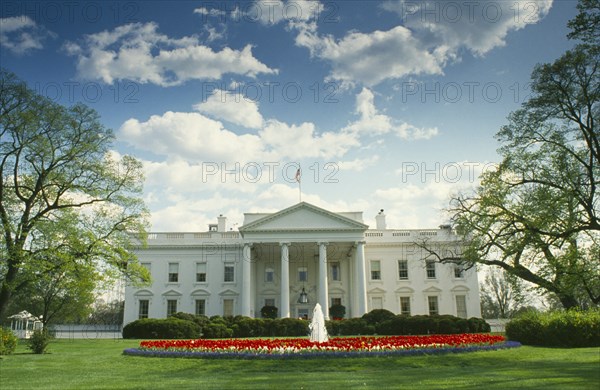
334, 257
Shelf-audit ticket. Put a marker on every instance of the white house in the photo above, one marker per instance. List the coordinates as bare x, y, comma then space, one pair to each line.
297, 257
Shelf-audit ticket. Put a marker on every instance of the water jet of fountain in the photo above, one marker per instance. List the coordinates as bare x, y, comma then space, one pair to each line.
318, 332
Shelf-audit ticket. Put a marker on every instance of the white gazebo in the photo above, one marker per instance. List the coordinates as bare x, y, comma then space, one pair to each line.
24, 324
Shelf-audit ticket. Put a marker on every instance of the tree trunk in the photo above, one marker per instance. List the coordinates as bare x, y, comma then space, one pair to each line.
568, 301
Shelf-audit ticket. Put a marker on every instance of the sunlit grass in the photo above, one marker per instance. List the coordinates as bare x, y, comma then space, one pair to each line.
99, 364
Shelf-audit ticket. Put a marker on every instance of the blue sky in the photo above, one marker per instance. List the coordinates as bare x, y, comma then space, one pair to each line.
383, 104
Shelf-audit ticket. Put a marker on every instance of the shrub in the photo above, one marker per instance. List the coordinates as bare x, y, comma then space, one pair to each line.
337, 311
248, 327
290, 327
333, 327
155, 328
557, 329
268, 312
356, 327
8, 341
377, 316
39, 340
217, 330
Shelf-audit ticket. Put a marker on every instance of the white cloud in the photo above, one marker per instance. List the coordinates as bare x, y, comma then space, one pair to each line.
21, 34
214, 12
272, 12
232, 107
301, 141
432, 35
358, 164
140, 53
191, 136
478, 26
371, 122
373, 57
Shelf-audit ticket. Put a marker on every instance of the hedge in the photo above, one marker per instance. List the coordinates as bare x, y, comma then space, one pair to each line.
571, 328
168, 328
379, 321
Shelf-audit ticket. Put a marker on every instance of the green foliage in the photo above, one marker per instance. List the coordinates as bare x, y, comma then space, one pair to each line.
377, 322
422, 324
169, 328
378, 315
570, 328
69, 205
216, 330
355, 327
268, 312
39, 340
337, 311
8, 341
536, 215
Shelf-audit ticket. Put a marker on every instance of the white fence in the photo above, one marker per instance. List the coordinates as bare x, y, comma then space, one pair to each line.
89, 331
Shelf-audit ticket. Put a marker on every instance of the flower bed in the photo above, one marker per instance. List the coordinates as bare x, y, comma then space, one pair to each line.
338, 347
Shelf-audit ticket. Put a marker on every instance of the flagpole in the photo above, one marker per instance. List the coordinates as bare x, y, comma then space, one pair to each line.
299, 180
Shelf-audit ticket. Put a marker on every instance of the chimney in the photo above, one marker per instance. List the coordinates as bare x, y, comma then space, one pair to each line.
222, 221
380, 220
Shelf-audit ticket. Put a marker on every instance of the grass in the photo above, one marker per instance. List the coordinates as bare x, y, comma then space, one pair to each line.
99, 364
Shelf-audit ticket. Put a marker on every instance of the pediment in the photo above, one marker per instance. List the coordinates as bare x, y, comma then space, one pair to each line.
303, 217
228, 293
432, 289
460, 289
200, 292
172, 293
144, 293
377, 290
404, 290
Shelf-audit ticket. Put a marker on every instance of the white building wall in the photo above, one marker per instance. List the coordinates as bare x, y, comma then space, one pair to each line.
218, 248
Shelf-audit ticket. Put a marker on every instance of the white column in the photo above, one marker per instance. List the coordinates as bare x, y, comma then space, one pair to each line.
285, 280
323, 296
246, 279
361, 279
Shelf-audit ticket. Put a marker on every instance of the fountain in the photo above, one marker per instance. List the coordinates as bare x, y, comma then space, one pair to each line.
318, 332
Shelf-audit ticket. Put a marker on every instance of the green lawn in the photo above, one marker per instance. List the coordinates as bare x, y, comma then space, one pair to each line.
99, 364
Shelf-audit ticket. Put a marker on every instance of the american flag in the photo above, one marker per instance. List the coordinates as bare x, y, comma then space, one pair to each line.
298, 175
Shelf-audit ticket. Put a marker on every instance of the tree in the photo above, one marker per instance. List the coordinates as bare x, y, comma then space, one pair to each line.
537, 215
502, 294
68, 204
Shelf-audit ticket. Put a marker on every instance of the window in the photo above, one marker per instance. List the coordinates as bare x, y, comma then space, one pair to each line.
269, 301
148, 266
461, 306
228, 274
173, 272
201, 272
171, 307
303, 313
459, 271
433, 305
335, 272
336, 301
200, 307
375, 270
144, 308
402, 269
269, 275
430, 267
405, 305
227, 307
302, 274
377, 303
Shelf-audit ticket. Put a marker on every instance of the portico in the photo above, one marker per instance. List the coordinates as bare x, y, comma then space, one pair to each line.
301, 246
295, 258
